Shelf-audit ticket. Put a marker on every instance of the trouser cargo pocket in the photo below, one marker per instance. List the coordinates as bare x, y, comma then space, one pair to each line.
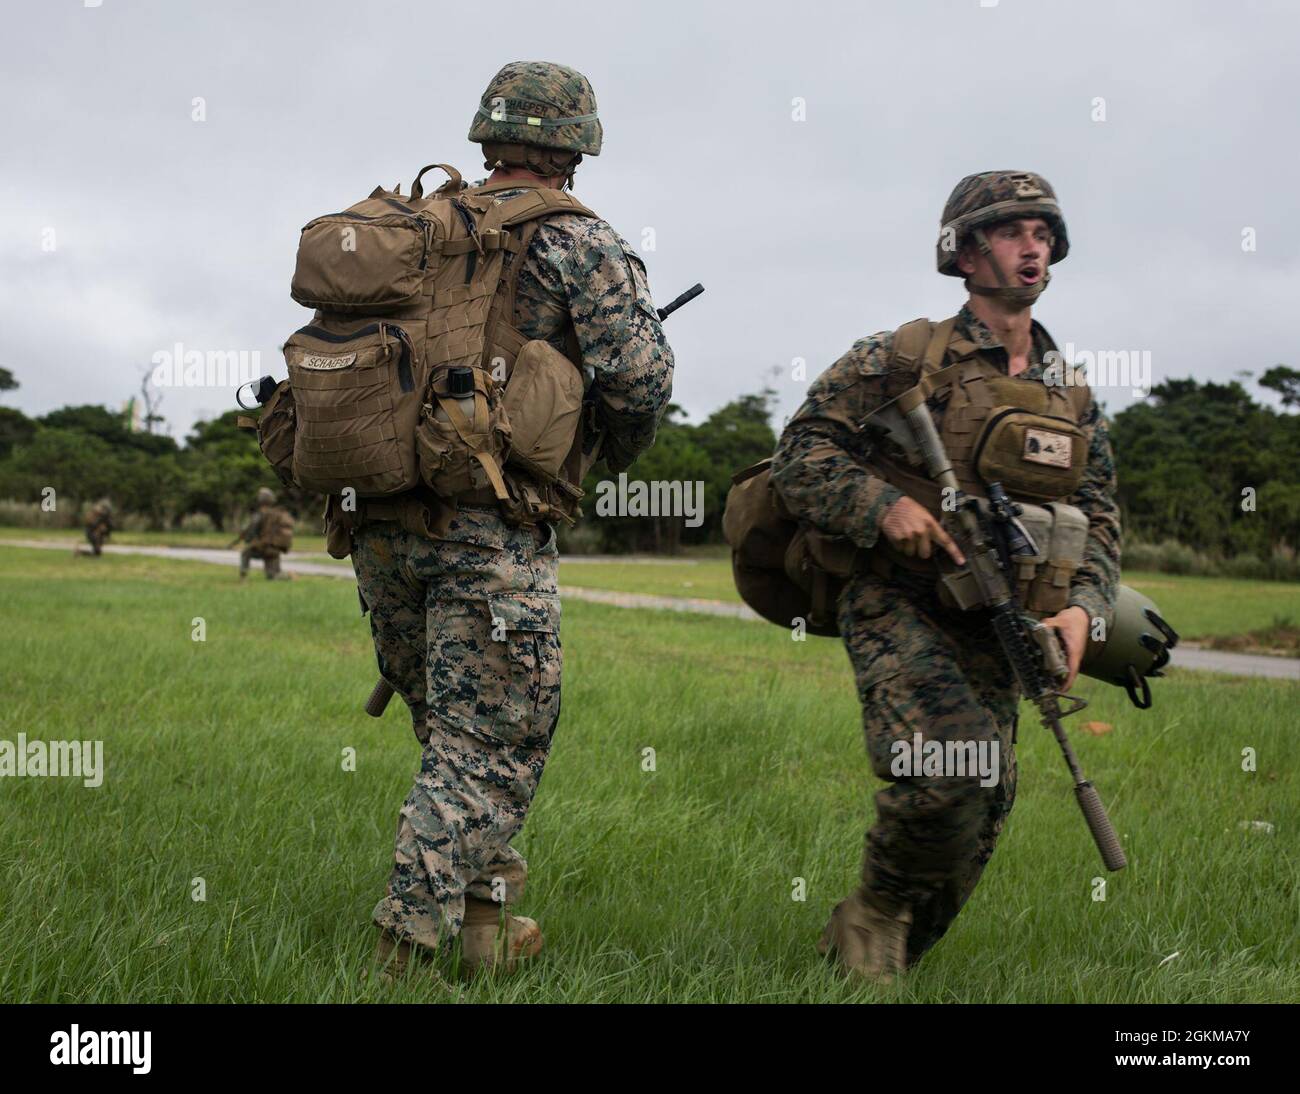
525, 693
494, 667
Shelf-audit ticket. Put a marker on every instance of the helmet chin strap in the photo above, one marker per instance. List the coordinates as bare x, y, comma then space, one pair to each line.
1023, 295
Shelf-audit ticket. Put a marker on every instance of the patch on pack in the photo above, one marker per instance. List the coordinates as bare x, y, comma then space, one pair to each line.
1044, 446
321, 363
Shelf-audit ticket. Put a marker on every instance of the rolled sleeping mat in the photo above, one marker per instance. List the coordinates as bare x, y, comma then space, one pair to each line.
1135, 649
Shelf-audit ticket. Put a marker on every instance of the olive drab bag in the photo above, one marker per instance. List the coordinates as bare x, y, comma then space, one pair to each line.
771, 560
410, 371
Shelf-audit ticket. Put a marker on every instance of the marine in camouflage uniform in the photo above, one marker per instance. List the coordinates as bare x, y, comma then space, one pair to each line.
256, 545
99, 525
466, 625
922, 667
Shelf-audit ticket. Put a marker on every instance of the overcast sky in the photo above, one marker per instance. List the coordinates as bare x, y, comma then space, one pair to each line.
127, 226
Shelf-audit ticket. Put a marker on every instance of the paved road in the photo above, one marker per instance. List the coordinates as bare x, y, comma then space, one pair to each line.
1186, 655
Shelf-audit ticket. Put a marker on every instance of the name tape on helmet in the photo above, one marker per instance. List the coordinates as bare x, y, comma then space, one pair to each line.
498, 115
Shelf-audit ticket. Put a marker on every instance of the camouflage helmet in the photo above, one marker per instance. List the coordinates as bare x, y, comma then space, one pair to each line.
979, 201
265, 496
541, 104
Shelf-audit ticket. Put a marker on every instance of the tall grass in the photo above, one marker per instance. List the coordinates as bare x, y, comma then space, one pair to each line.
225, 762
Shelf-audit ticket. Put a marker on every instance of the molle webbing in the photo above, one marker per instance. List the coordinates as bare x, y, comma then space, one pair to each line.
920, 349
470, 318
319, 446
472, 325
369, 404
970, 388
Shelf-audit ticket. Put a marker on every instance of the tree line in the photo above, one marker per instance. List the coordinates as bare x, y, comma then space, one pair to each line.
1203, 464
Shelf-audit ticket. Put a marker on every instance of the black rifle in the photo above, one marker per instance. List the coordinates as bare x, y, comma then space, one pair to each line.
686, 297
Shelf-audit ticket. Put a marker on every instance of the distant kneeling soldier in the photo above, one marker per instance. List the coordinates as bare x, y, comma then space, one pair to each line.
99, 525
269, 534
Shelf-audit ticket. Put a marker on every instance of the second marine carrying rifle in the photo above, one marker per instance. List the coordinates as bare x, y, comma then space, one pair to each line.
377, 702
990, 537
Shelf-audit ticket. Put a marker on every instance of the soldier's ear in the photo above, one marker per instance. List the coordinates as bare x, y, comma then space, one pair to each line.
966, 259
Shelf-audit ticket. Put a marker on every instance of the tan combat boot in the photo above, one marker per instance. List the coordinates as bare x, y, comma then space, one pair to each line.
488, 945
394, 955
867, 942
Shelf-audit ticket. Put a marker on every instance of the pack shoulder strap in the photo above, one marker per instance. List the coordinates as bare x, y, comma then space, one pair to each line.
525, 211
1078, 392
910, 343
922, 347
542, 202
933, 345
1080, 398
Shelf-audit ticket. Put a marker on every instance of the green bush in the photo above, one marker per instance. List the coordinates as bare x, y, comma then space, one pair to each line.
1171, 557
29, 514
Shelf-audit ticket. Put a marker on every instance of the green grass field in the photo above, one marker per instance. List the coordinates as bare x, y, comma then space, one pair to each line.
301, 542
224, 761
1197, 606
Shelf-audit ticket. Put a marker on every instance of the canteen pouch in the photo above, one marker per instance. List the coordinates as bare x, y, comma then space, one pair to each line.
275, 432
1049, 592
461, 452
543, 404
356, 401
817, 565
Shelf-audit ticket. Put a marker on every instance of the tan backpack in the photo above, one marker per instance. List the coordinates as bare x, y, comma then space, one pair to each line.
276, 529
410, 371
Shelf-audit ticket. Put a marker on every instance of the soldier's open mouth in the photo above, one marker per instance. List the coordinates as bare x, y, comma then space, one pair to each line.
1028, 274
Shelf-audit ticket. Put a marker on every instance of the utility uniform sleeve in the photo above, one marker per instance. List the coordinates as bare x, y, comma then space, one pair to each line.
621, 340
252, 528
819, 467
1096, 582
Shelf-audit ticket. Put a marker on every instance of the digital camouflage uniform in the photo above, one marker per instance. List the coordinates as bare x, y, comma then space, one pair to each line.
466, 626
99, 526
920, 667
256, 547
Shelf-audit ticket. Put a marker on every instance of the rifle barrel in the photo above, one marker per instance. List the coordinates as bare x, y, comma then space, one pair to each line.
686, 297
